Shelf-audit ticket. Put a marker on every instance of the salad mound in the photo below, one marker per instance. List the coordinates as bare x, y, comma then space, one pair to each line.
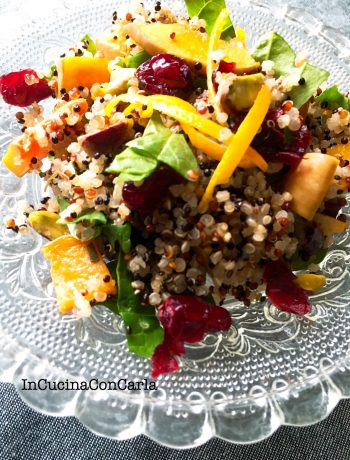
184, 170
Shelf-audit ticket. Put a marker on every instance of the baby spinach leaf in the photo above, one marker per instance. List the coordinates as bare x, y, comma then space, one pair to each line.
156, 126
314, 77
150, 145
119, 234
334, 98
209, 10
88, 41
276, 49
132, 166
137, 59
177, 154
144, 332
143, 154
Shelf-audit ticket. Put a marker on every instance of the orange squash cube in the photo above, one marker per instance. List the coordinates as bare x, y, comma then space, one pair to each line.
76, 277
81, 71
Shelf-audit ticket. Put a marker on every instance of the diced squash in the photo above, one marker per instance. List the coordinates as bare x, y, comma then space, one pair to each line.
330, 225
44, 222
188, 44
81, 71
310, 281
75, 276
31, 145
309, 183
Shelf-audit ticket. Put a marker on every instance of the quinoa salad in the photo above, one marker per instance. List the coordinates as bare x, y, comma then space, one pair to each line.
181, 170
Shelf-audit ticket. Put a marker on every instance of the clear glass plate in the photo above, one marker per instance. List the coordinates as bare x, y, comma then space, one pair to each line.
269, 369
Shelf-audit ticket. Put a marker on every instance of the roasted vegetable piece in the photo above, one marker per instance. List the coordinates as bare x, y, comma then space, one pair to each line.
107, 140
45, 223
309, 182
188, 44
81, 71
78, 273
243, 91
34, 144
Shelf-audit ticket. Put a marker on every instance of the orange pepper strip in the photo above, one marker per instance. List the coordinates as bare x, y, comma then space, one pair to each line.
238, 145
216, 151
214, 42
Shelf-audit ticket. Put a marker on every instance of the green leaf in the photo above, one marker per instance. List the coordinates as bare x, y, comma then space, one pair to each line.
276, 49
334, 98
314, 77
137, 59
150, 145
210, 10
194, 6
144, 330
132, 166
178, 155
119, 234
91, 47
156, 126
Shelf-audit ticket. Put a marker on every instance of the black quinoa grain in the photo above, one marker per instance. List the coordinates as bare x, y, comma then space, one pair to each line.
302, 81
45, 199
54, 139
99, 200
323, 150
106, 279
344, 140
65, 97
207, 172
198, 65
210, 109
93, 302
63, 91
77, 108
80, 88
73, 215
34, 160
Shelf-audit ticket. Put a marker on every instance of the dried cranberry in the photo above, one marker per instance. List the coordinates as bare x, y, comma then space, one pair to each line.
15, 89
165, 74
282, 291
185, 319
152, 192
273, 143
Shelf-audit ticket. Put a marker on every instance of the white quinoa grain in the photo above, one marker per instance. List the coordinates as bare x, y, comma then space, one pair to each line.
154, 298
